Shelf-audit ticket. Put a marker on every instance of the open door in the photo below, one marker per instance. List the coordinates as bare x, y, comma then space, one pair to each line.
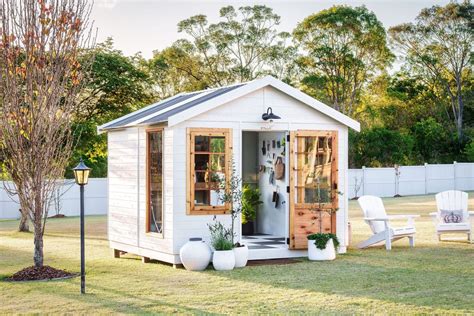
313, 184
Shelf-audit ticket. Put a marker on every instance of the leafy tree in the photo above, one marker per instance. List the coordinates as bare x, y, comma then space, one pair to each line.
239, 47
176, 69
343, 47
379, 147
431, 141
115, 85
438, 47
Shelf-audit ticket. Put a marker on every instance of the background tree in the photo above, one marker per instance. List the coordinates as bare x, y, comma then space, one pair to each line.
236, 49
176, 69
342, 48
438, 47
40, 77
114, 85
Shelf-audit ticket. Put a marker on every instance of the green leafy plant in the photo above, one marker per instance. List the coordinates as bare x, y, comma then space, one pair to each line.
321, 239
221, 237
250, 203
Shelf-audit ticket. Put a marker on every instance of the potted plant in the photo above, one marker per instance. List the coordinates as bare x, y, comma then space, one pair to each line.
223, 258
250, 203
322, 246
230, 193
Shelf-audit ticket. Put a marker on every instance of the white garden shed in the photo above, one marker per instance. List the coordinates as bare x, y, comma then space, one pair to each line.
162, 159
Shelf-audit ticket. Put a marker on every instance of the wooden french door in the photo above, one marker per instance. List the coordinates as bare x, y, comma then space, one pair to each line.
313, 184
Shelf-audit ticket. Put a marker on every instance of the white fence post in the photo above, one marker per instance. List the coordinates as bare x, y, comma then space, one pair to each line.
454, 176
363, 180
426, 178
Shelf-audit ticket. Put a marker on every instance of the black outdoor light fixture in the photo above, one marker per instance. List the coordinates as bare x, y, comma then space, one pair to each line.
269, 115
81, 174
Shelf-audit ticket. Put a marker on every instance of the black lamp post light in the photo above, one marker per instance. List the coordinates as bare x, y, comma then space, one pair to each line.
81, 174
269, 115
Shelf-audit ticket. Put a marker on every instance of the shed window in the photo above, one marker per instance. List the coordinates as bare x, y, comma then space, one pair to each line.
209, 152
155, 181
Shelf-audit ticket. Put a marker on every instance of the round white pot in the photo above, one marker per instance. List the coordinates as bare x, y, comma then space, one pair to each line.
223, 260
329, 253
195, 255
241, 256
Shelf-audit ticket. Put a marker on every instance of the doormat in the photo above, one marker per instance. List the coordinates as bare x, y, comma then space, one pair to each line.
270, 262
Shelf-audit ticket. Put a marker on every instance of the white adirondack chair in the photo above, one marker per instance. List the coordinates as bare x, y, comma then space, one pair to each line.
379, 222
453, 201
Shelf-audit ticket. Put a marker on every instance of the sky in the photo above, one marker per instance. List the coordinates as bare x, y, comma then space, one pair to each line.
148, 25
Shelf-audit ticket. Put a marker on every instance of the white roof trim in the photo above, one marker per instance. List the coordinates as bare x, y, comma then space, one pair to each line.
258, 84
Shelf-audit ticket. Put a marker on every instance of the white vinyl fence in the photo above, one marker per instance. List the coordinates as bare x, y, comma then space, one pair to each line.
95, 199
383, 182
411, 180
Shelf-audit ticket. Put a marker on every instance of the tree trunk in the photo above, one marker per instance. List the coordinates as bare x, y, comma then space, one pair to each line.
24, 225
38, 257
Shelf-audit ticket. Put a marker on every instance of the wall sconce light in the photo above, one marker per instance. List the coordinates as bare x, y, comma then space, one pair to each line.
269, 115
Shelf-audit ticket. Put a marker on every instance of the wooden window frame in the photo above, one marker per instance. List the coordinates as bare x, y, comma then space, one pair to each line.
191, 209
148, 193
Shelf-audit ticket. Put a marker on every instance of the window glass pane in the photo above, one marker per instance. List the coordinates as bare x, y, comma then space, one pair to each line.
155, 176
314, 169
217, 144
201, 143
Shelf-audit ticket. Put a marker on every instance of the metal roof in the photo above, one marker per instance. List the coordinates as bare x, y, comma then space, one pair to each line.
164, 116
166, 108
156, 107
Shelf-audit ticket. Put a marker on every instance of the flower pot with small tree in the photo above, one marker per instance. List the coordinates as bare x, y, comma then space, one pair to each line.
322, 246
230, 193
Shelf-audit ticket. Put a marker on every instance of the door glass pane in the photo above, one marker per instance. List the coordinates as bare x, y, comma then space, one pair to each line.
155, 172
313, 161
218, 144
201, 143
217, 163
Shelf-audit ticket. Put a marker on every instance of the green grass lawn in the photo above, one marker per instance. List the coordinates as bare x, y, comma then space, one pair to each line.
432, 278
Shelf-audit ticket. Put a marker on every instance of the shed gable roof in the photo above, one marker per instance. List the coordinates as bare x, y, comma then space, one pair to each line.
185, 106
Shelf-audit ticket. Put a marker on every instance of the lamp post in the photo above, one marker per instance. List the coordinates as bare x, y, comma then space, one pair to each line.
81, 174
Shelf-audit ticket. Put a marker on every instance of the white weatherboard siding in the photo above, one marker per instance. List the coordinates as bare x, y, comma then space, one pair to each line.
123, 186
245, 114
127, 196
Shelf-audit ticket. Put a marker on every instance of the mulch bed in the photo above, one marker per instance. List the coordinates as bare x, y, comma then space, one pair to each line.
270, 262
58, 216
38, 274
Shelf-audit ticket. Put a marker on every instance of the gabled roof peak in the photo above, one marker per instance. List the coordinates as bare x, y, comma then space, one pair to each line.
184, 106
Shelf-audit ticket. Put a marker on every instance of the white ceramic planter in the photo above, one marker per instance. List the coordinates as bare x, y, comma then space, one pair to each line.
195, 255
241, 256
223, 260
329, 253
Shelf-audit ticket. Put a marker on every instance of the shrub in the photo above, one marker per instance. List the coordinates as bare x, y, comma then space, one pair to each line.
321, 239
250, 203
221, 237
